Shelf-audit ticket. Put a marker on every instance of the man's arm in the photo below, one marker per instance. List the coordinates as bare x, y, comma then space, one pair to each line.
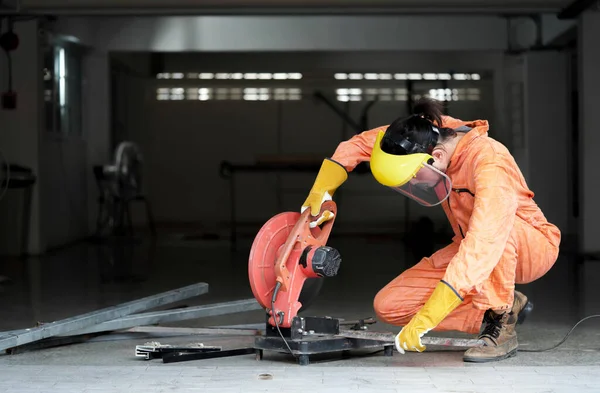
490, 225
357, 149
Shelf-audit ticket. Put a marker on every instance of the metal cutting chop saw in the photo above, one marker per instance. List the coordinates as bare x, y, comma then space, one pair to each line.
287, 264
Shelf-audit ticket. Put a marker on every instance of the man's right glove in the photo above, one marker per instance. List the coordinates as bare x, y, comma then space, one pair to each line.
331, 175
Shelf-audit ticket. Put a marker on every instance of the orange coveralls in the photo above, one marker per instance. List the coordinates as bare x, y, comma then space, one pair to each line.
501, 235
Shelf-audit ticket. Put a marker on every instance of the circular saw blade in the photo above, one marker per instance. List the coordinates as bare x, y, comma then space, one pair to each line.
261, 264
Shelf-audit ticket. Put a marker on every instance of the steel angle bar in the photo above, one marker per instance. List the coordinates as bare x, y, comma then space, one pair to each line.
173, 315
250, 326
389, 338
25, 336
51, 342
185, 331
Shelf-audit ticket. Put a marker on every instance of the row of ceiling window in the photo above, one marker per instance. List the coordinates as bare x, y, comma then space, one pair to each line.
338, 76
294, 94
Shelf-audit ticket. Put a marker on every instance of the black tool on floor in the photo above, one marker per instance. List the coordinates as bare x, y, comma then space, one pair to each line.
156, 350
173, 357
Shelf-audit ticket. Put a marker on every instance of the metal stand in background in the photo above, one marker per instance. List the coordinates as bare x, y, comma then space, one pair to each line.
119, 186
83, 327
229, 170
362, 125
17, 177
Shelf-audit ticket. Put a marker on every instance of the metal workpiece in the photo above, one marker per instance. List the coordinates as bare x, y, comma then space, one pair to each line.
182, 314
434, 341
80, 322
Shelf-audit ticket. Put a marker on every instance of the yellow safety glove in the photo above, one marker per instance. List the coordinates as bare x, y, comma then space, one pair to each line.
331, 175
442, 302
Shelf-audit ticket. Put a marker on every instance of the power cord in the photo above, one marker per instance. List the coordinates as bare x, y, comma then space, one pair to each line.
563, 340
276, 317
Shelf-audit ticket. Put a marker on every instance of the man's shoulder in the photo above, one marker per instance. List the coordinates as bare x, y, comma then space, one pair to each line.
486, 148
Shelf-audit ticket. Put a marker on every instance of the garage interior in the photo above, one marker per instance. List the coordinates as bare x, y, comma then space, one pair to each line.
224, 112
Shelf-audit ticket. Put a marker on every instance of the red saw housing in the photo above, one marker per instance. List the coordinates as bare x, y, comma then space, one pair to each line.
286, 252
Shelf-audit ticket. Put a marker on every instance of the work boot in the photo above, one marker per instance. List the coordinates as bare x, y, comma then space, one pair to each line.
522, 307
499, 337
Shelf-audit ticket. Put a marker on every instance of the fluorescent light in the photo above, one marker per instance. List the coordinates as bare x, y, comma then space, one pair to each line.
62, 73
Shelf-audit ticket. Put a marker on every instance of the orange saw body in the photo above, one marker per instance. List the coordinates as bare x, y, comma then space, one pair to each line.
286, 256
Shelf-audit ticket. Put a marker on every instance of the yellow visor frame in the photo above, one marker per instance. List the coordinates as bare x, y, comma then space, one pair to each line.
410, 175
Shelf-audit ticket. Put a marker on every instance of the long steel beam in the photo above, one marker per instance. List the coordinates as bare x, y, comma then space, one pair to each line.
185, 331
25, 336
181, 314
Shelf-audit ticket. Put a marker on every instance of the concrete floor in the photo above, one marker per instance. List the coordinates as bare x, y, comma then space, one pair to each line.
88, 277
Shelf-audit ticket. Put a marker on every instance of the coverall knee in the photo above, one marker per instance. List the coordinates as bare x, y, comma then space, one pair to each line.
528, 255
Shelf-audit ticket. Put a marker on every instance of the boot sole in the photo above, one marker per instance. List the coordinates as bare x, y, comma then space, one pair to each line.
489, 360
525, 312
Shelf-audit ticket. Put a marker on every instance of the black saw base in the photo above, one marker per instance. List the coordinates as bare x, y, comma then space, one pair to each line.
304, 349
308, 336
311, 336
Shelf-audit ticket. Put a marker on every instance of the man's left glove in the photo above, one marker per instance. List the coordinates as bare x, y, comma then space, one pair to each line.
442, 302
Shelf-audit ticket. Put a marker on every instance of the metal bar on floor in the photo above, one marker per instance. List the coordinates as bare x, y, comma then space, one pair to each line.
25, 336
390, 337
185, 331
51, 343
181, 314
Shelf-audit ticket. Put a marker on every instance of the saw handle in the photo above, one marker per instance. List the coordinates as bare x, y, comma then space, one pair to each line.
321, 234
302, 236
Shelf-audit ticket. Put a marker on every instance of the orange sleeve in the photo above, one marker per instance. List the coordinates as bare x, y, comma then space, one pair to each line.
451, 122
491, 222
357, 149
